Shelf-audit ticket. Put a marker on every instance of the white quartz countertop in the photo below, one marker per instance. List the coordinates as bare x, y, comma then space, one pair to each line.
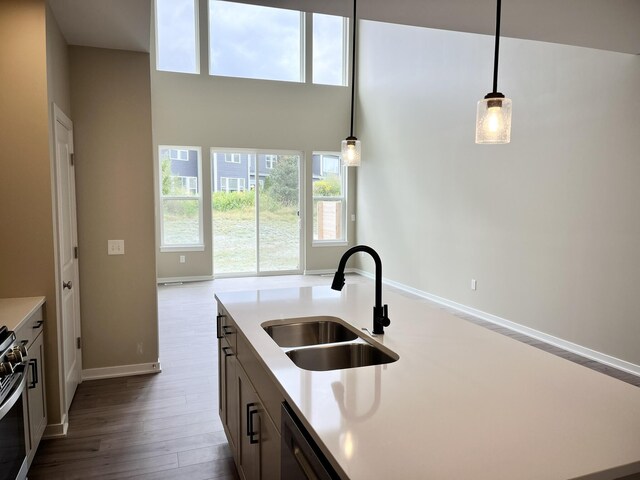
14, 311
462, 402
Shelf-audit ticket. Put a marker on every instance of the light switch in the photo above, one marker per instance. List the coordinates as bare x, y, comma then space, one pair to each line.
115, 247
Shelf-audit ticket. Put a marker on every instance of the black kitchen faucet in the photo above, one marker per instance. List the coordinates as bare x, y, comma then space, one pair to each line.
380, 312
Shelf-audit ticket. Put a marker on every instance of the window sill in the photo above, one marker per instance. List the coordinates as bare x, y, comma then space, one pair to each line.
182, 248
329, 243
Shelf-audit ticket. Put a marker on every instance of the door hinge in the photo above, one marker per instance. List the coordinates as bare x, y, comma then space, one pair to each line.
75, 252
72, 158
78, 342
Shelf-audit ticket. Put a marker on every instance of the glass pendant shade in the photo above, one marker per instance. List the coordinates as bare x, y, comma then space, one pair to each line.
351, 152
493, 121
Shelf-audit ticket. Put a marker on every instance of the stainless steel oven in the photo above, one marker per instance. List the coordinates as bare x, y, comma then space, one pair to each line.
13, 379
301, 458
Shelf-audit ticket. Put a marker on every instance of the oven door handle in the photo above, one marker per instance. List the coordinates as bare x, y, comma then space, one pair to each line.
14, 397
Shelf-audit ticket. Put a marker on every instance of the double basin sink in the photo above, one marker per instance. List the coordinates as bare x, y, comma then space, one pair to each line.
325, 343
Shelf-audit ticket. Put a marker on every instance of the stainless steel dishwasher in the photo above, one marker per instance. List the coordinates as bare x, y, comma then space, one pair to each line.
301, 458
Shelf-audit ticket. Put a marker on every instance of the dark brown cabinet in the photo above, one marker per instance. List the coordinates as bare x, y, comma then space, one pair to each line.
250, 429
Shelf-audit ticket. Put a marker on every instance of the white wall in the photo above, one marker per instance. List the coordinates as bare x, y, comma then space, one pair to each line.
549, 224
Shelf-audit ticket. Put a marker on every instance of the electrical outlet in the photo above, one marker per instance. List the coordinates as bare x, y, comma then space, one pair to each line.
474, 284
140, 349
115, 247
183, 259
353, 217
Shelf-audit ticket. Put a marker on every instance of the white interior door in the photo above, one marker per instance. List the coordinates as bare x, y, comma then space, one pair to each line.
69, 300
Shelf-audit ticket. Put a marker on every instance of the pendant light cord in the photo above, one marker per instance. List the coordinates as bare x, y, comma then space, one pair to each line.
497, 49
353, 65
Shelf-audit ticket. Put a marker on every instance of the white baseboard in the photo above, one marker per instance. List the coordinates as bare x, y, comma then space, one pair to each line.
319, 272
57, 430
516, 327
201, 278
121, 371
331, 271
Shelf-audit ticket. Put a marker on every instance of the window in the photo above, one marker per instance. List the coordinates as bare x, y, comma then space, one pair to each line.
329, 49
270, 161
187, 184
330, 165
176, 36
329, 198
252, 41
232, 184
180, 197
175, 154
232, 157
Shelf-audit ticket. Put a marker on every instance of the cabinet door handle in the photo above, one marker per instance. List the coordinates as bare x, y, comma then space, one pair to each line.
227, 330
249, 405
38, 324
218, 329
250, 417
224, 349
33, 364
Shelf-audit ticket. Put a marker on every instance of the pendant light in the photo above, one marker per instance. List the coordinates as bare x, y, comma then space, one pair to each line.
351, 145
493, 121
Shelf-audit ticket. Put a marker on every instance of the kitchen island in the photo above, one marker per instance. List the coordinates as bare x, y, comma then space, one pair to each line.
461, 402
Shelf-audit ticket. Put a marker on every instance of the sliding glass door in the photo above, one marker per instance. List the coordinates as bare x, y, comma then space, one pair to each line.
256, 212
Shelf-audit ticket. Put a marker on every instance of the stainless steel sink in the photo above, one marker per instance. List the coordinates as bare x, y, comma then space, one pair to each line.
300, 332
336, 357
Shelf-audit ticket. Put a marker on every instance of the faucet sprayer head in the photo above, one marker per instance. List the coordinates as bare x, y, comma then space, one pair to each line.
338, 281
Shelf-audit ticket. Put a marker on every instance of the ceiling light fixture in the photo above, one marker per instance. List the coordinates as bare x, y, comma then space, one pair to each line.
351, 145
493, 121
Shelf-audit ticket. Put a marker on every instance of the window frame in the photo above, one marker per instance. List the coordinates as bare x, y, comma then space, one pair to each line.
186, 247
306, 48
303, 42
178, 152
302, 199
270, 161
224, 184
344, 198
346, 51
196, 19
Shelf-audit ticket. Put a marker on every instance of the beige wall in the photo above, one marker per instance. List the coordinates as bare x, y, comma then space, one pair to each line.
549, 224
111, 111
199, 110
26, 222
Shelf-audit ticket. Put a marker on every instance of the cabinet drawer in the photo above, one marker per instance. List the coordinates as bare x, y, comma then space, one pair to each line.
31, 328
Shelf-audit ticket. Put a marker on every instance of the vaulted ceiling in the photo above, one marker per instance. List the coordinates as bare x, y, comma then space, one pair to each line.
603, 24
